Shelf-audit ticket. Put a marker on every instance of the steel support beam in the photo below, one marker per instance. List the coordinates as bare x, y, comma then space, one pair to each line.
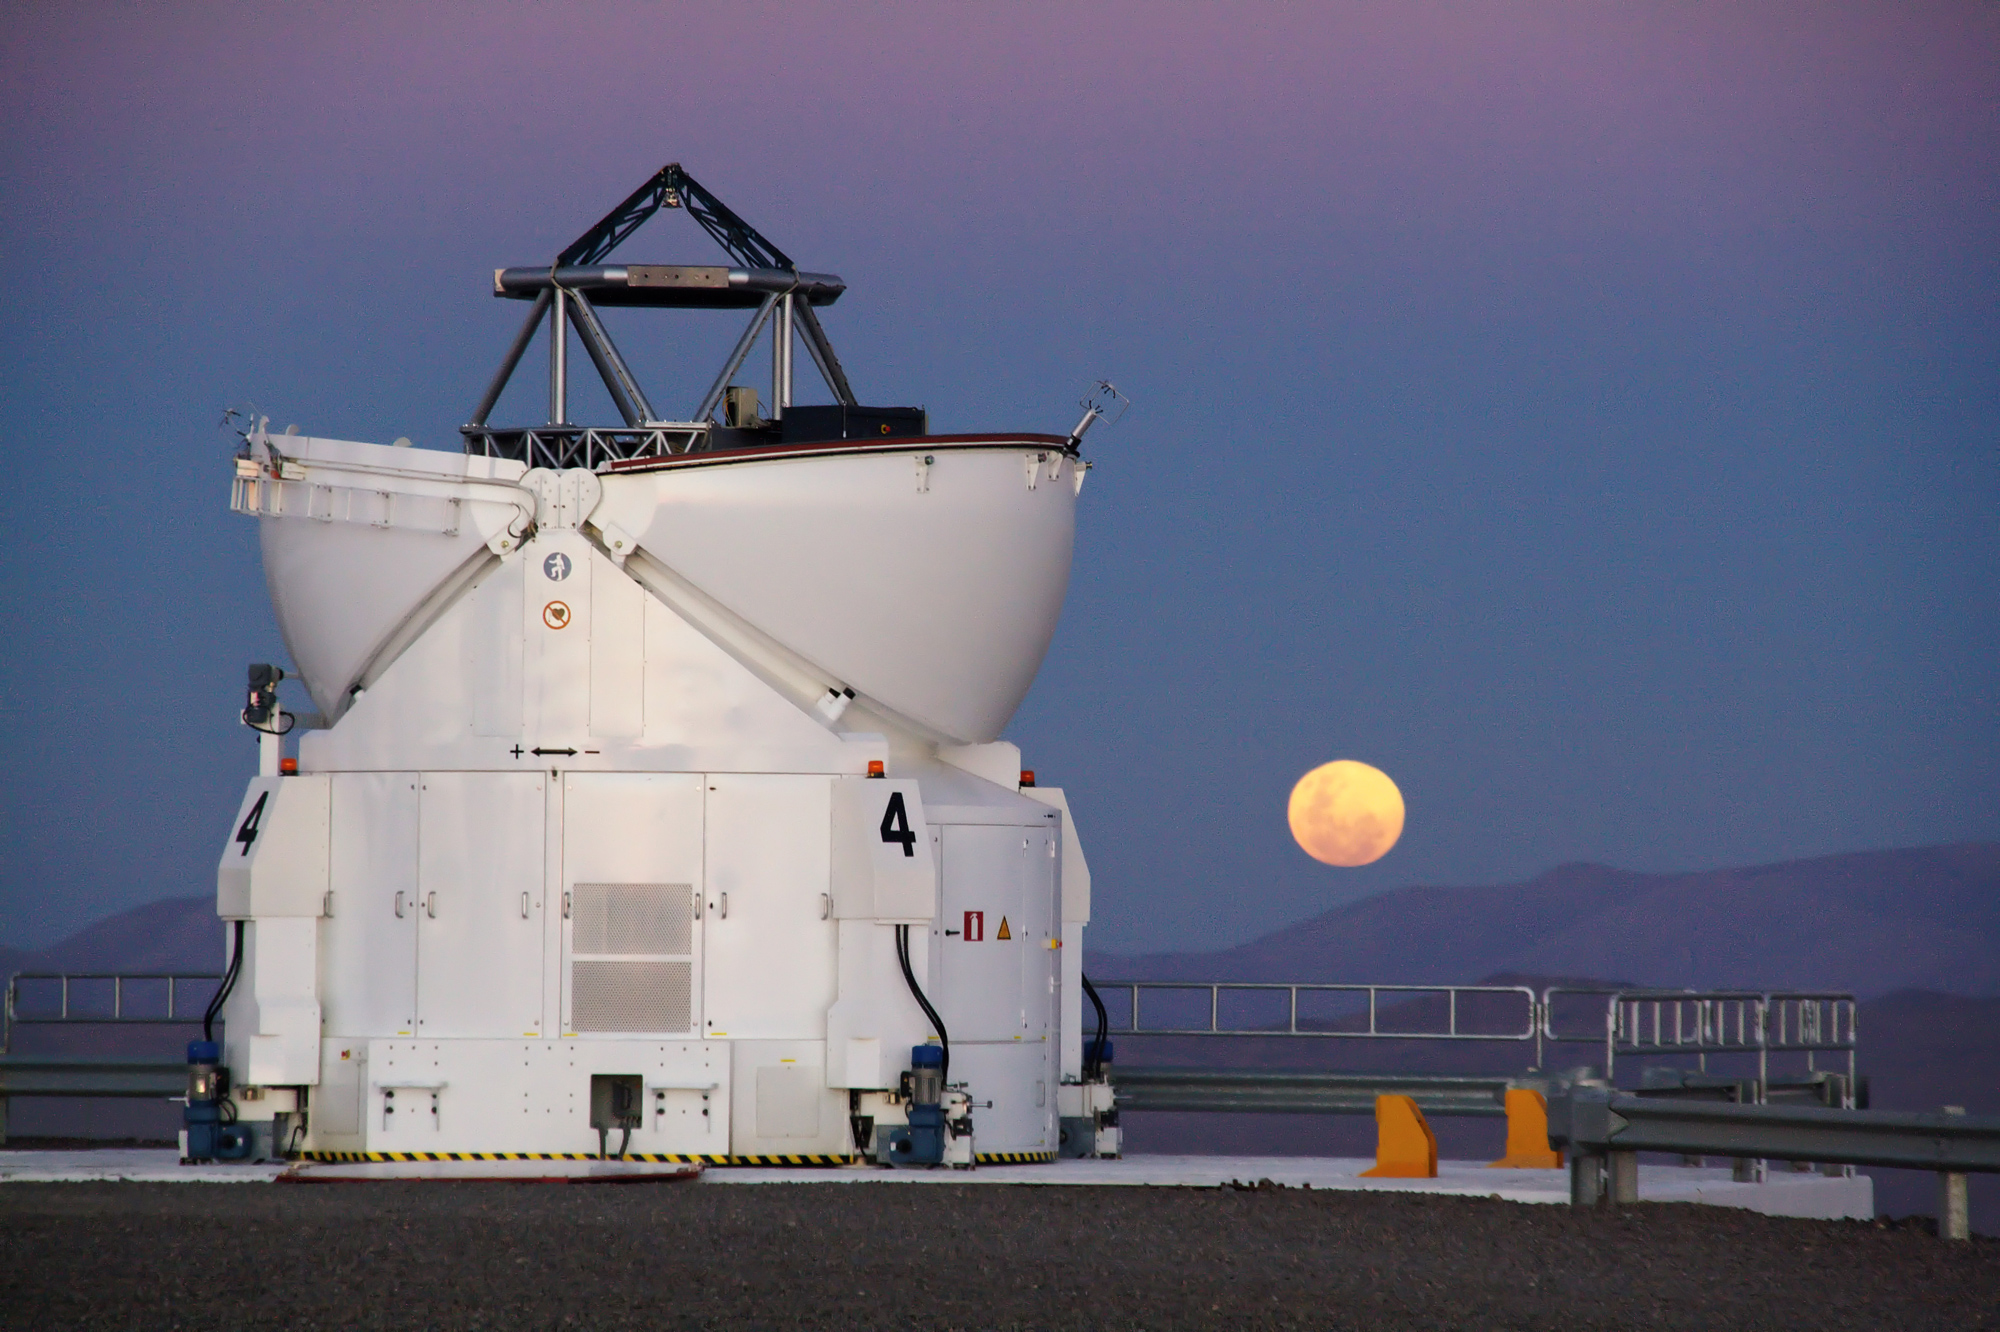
559, 358
513, 360
625, 392
821, 348
736, 357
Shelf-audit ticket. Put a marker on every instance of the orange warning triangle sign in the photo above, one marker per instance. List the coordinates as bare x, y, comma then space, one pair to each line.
1005, 933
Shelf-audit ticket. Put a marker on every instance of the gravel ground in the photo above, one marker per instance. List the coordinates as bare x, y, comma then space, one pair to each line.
860, 1256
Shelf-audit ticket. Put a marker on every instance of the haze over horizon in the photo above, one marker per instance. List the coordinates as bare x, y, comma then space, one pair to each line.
1585, 417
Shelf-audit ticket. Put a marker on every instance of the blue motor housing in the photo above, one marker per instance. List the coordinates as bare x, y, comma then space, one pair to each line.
208, 1138
922, 1142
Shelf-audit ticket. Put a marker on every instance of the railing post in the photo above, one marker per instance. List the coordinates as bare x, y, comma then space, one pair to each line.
1586, 1179
1622, 1171
1954, 1205
1538, 1016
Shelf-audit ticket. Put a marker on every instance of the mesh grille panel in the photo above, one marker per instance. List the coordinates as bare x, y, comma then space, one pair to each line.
631, 996
627, 918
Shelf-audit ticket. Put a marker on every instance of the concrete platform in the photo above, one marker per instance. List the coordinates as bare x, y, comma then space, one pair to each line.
1786, 1193
135, 1165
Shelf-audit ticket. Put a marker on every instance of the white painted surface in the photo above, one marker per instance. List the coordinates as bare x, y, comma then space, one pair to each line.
534, 1096
1799, 1195
274, 863
479, 960
939, 603
357, 536
640, 829
368, 946
538, 715
769, 965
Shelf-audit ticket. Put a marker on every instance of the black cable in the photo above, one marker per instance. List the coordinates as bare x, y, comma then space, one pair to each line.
1095, 1064
222, 993
291, 723
903, 956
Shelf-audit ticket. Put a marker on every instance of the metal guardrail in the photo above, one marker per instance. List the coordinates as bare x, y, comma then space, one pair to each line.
1631, 1022
1641, 1022
1217, 991
65, 1007
1596, 1121
91, 1075
1258, 1091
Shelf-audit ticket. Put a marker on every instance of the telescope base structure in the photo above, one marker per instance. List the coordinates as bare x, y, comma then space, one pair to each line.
589, 851
752, 1103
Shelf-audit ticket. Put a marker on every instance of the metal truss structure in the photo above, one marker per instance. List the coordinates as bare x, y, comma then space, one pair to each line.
568, 292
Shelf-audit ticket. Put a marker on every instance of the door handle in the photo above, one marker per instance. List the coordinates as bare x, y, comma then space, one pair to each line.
431, 905
399, 906
524, 906
565, 906
725, 904
825, 905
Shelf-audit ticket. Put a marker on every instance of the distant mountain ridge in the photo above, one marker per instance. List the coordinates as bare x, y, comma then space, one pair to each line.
1871, 922
178, 934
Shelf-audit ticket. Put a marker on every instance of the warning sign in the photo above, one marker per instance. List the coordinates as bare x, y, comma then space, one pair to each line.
975, 926
555, 615
1005, 933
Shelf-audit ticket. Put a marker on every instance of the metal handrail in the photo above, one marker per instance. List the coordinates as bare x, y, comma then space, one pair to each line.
13, 1016
1705, 1022
1216, 989
562, 446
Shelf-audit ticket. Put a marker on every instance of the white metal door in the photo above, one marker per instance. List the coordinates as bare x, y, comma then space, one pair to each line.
479, 921
769, 959
368, 954
984, 933
632, 890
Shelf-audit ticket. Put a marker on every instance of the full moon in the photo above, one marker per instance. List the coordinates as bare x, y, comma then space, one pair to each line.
1346, 813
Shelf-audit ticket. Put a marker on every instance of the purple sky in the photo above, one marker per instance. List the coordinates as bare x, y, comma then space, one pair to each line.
1587, 415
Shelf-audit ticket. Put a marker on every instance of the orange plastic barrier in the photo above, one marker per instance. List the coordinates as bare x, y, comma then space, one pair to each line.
1528, 1133
1405, 1147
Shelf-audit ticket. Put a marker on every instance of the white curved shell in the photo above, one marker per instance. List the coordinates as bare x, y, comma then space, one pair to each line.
931, 588
358, 537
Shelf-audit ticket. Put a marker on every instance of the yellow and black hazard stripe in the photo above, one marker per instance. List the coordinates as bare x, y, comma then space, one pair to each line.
1012, 1158
651, 1158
